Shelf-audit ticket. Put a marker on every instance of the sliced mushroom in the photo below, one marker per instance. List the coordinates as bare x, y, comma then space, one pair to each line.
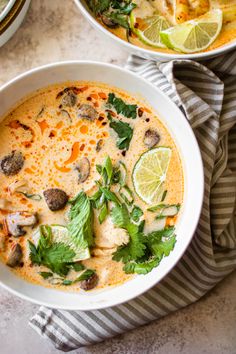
2, 243
86, 111
108, 22
99, 145
90, 283
83, 168
151, 138
15, 256
12, 164
55, 198
69, 99
16, 221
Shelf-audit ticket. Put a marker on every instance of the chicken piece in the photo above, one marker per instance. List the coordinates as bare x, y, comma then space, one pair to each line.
16, 221
108, 236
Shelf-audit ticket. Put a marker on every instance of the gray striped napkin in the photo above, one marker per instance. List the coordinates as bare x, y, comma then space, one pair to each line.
206, 93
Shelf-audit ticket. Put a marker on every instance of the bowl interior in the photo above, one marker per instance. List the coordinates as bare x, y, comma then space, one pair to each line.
148, 53
180, 130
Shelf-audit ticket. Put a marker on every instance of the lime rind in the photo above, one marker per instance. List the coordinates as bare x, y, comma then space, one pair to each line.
151, 35
149, 174
194, 35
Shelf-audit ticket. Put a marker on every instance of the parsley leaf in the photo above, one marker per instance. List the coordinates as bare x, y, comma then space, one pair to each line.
124, 132
128, 110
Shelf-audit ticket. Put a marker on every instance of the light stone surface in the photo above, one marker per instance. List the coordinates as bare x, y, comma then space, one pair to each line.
53, 31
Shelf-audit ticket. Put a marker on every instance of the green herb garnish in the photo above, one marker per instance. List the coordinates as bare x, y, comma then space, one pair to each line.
46, 275
123, 130
80, 224
31, 196
54, 256
84, 276
128, 110
136, 213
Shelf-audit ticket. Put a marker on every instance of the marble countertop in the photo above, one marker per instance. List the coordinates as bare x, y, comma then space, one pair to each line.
54, 31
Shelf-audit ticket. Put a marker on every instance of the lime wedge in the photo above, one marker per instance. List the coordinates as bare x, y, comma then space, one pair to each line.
60, 234
149, 174
194, 35
148, 28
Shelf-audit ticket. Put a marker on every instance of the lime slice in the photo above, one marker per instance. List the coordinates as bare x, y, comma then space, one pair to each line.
149, 174
60, 234
194, 35
148, 28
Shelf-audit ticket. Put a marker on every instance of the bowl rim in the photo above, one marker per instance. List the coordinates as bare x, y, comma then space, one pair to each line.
151, 53
197, 210
6, 9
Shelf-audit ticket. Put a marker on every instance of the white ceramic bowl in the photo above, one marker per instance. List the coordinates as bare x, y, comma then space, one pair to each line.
146, 53
176, 123
6, 9
13, 19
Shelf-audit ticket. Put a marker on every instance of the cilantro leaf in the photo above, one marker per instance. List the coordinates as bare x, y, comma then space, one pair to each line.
54, 256
124, 132
46, 275
128, 110
163, 248
141, 267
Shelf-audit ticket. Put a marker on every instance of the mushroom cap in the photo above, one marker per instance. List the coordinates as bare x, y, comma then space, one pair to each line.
83, 168
86, 111
16, 221
90, 283
151, 138
15, 256
12, 164
55, 198
69, 99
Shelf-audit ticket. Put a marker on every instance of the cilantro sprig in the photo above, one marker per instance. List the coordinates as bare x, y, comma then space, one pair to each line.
143, 252
55, 256
113, 10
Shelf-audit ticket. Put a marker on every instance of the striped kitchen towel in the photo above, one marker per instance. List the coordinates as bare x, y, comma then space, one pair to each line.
206, 93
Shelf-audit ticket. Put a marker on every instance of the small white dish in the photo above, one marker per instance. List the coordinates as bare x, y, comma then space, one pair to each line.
13, 19
6, 9
186, 142
146, 53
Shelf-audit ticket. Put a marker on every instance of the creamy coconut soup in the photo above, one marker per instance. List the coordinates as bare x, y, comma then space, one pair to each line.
163, 25
91, 187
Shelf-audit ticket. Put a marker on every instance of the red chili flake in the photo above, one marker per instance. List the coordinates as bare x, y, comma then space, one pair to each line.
82, 147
